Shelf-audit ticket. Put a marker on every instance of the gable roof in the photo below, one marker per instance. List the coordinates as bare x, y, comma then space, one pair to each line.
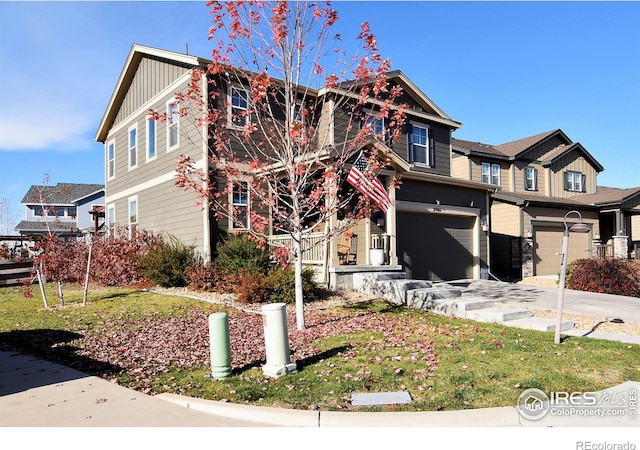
136, 54
607, 196
60, 194
426, 103
515, 149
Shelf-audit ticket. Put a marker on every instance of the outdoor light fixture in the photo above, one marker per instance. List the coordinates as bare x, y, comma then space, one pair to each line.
579, 227
529, 233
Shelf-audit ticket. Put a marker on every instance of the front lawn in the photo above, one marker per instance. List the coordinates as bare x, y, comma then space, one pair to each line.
159, 343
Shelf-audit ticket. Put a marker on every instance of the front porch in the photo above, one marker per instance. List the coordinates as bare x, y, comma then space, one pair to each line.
335, 262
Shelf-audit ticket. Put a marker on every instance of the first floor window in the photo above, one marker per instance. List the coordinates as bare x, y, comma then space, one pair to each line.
419, 145
133, 212
111, 215
574, 181
240, 203
491, 173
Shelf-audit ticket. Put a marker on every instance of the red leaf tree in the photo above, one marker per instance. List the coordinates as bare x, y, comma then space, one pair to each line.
277, 85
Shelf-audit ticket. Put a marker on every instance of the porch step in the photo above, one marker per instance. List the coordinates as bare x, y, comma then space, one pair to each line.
452, 304
498, 315
365, 281
395, 290
540, 324
432, 299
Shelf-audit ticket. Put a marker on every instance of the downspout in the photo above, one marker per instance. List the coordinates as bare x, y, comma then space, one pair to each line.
206, 239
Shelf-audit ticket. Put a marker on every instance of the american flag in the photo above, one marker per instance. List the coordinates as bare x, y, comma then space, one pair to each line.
371, 188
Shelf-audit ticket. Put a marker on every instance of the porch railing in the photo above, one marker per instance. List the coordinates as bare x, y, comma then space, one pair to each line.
312, 243
604, 250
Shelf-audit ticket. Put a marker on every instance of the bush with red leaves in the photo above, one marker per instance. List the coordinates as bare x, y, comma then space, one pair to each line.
604, 275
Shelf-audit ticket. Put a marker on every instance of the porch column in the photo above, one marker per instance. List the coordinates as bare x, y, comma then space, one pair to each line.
390, 220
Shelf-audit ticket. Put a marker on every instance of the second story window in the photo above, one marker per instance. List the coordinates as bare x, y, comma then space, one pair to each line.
111, 159
238, 107
173, 125
376, 126
240, 203
151, 138
419, 145
133, 147
530, 179
573, 181
491, 173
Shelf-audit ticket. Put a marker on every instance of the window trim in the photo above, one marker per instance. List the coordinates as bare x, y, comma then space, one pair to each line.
247, 205
573, 179
132, 149
133, 200
533, 179
151, 139
111, 161
427, 146
490, 174
173, 122
111, 215
231, 107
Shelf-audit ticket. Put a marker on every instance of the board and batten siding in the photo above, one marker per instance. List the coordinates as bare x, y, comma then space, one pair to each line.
573, 162
153, 76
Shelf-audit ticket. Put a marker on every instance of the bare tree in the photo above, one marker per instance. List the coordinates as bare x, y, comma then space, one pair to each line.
277, 85
9, 217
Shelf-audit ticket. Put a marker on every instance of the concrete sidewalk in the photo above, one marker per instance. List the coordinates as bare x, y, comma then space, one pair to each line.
39, 393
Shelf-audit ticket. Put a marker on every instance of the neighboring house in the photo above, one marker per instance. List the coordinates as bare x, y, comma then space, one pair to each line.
63, 209
619, 220
436, 228
540, 179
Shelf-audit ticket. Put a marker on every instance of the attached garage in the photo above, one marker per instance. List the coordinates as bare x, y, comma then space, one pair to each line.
547, 242
435, 246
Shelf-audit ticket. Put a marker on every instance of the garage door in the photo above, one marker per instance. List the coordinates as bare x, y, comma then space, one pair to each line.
548, 242
435, 247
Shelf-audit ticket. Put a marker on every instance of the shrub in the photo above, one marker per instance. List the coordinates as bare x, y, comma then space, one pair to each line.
165, 263
208, 278
252, 287
604, 275
239, 253
115, 257
280, 286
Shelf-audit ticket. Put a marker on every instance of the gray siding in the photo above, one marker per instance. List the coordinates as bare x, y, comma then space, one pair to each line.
153, 75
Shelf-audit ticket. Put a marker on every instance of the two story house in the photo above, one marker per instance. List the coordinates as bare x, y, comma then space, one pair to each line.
435, 229
68, 210
540, 179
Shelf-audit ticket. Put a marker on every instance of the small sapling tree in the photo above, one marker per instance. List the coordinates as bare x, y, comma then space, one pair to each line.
286, 112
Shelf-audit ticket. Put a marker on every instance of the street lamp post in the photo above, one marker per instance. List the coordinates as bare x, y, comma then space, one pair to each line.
579, 227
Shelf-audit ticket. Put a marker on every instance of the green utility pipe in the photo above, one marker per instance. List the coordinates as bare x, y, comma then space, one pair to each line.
219, 345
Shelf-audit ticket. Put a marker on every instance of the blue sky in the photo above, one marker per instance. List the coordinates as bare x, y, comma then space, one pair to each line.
506, 70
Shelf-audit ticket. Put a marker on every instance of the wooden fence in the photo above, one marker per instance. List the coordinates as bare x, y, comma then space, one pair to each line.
13, 273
